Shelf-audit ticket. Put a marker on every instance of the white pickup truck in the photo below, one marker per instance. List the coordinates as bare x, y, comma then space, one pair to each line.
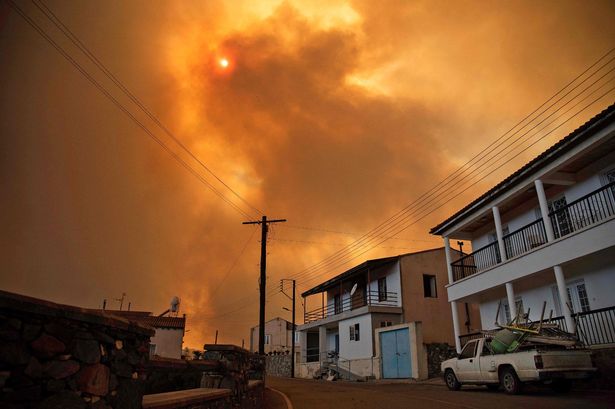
477, 365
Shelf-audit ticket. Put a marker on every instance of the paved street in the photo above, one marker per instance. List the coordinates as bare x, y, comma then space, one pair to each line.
306, 394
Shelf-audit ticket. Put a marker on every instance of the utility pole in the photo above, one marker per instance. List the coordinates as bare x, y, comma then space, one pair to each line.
292, 348
263, 281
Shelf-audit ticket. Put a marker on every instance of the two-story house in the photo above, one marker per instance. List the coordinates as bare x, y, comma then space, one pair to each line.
374, 319
545, 234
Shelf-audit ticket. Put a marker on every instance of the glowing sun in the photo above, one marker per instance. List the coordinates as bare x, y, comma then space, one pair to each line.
223, 62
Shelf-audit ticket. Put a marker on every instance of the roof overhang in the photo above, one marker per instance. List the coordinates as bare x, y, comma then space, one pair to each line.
547, 166
361, 268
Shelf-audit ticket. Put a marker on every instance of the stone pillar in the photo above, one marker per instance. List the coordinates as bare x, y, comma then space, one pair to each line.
499, 233
322, 343
544, 209
456, 326
449, 259
563, 298
510, 296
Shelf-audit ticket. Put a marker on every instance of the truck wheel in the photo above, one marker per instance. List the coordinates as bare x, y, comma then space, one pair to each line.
561, 385
451, 380
510, 381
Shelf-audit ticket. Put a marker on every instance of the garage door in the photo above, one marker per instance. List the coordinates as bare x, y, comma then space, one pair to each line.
395, 353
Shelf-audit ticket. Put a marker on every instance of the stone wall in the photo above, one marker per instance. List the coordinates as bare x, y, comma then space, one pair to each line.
436, 354
59, 356
278, 365
168, 375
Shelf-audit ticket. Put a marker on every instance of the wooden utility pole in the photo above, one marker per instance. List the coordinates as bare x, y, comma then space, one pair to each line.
263, 281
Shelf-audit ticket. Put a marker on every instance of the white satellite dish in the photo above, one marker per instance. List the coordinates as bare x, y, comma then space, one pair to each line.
174, 304
353, 290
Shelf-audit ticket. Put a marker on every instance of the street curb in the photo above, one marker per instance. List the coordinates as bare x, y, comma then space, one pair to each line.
289, 404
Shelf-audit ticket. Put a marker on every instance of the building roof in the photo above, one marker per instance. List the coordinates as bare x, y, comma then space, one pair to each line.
146, 318
288, 323
595, 124
369, 264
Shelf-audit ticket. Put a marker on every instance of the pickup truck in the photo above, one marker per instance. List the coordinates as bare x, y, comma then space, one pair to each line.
478, 365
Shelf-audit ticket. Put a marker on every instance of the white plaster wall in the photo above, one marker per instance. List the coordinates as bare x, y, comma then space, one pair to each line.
168, 342
356, 349
597, 272
393, 281
572, 193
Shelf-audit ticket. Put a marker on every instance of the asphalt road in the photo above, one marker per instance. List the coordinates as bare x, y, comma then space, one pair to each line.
306, 394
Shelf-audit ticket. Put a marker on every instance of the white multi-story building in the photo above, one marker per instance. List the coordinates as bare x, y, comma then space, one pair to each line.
544, 234
375, 318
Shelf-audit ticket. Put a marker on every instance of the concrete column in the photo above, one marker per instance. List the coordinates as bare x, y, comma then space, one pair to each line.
456, 326
563, 298
322, 343
449, 259
510, 296
498, 231
544, 209
303, 345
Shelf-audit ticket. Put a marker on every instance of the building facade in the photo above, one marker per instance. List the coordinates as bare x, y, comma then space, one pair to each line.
543, 240
278, 336
374, 318
169, 333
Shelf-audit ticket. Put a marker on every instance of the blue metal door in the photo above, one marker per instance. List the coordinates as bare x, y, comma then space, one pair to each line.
394, 350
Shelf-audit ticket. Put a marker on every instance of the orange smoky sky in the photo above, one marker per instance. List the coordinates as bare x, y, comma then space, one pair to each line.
331, 114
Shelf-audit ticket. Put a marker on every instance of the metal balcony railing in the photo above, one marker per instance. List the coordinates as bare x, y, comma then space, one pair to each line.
358, 300
583, 212
595, 327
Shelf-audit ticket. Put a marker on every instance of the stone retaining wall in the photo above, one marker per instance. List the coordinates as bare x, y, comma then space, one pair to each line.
168, 375
436, 354
59, 356
278, 365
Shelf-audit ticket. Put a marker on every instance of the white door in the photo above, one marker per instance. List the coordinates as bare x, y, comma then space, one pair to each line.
467, 365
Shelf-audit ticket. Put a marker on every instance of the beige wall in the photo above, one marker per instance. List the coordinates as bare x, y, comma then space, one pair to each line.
281, 337
434, 313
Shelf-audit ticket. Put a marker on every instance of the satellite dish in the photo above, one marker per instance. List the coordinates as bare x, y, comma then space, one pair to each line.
174, 304
354, 288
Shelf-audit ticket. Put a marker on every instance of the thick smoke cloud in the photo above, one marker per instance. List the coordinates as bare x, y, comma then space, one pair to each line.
332, 115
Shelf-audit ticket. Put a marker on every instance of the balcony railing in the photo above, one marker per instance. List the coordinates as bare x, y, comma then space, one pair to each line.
358, 300
478, 260
583, 212
595, 327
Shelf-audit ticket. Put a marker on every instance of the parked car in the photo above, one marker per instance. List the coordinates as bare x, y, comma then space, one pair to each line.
478, 365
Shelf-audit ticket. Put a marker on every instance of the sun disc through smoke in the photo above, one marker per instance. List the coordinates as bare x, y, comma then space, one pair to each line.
223, 62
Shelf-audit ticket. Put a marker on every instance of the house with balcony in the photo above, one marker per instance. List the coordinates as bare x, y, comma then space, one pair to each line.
544, 236
375, 319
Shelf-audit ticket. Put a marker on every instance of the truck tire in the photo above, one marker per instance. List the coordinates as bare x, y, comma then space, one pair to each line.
510, 381
451, 380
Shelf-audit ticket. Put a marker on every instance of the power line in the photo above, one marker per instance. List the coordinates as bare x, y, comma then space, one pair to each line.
352, 234
409, 207
122, 108
88, 53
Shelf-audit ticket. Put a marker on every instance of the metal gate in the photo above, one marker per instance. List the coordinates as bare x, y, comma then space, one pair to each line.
395, 353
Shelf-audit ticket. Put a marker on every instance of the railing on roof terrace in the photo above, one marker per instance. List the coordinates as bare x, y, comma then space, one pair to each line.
592, 208
358, 300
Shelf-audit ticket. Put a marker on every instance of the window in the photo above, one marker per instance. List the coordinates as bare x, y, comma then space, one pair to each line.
382, 289
560, 217
518, 307
267, 339
385, 324
469, 351
152, 350
429, 286
354, 332
578, 299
